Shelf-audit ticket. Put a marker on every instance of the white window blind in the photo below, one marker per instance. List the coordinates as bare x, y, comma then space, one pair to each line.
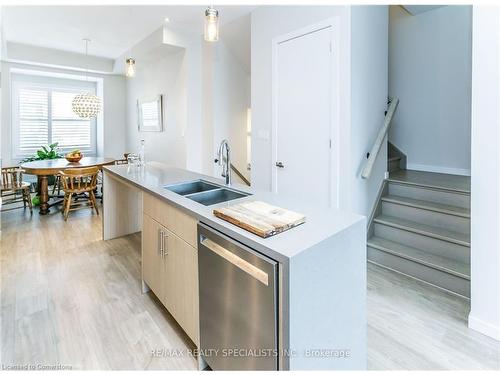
42, 115
33, 120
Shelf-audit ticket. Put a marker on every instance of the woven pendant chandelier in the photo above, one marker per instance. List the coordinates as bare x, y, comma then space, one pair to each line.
86, 105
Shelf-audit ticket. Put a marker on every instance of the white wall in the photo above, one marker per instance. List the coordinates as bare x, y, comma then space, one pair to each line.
185, 120
165, 75
485, 178
226, 97
430, 71
369, 77
208, 118
192, 106
362, 84
232, 99
111, 138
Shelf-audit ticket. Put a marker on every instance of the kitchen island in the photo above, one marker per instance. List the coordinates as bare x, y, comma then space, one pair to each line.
321, 264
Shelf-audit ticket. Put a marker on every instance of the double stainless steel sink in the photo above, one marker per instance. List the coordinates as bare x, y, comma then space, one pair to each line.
206, 193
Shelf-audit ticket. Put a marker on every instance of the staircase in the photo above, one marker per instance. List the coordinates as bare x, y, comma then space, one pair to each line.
396, 158
421, 227
393, 163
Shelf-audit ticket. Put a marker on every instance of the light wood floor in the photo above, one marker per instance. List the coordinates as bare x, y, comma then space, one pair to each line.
413, 326
69, 298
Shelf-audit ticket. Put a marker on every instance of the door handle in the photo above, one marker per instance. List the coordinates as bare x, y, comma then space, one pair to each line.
280, 164
242, 264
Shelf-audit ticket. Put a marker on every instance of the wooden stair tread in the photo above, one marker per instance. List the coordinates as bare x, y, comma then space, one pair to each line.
434, 261
428, 205
426, 230
394, 158
441, 181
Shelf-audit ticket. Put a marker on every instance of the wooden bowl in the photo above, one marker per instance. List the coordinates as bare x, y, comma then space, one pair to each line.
74, 159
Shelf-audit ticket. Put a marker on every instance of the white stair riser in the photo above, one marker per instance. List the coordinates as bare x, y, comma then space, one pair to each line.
431, 245
432, 195
422, 272
427, 217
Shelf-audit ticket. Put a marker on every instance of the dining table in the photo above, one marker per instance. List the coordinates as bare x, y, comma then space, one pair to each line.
43, 169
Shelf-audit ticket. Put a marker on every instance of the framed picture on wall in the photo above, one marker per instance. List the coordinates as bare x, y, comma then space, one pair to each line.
150, 114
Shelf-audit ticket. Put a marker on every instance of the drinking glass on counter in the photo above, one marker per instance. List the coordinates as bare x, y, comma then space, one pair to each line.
133, 159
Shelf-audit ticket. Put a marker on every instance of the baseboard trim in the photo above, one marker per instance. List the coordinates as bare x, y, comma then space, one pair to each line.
438, 169
483, 327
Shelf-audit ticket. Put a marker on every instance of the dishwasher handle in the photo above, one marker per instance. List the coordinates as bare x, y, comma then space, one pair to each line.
242, 264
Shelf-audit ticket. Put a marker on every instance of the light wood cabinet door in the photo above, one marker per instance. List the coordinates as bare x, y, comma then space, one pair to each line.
170, 261
176, 220
152, 265
181, 286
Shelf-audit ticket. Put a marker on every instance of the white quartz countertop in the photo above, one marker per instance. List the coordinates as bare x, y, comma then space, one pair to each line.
321, 223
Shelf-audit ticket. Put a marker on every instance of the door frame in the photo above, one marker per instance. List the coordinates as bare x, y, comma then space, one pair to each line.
334, 25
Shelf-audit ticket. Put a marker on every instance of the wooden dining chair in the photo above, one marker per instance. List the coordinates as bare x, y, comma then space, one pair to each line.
13, 189
81, 183
57, 185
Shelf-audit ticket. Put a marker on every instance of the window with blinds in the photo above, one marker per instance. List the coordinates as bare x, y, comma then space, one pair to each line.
42, 115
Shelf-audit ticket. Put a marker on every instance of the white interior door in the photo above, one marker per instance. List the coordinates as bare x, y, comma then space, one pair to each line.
302, 128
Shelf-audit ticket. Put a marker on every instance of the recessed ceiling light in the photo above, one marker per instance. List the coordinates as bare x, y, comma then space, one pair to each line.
167, 20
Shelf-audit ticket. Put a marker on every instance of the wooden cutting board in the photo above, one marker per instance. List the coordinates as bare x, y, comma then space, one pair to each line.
260, 218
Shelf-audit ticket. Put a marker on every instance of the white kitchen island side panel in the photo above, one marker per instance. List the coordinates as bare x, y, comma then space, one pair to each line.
327, 311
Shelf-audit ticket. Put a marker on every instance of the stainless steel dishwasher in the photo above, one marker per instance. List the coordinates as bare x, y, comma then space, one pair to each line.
238, 304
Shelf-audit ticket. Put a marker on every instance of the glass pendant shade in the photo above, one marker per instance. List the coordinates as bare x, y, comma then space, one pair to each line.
86, 105
211, 25
130, 71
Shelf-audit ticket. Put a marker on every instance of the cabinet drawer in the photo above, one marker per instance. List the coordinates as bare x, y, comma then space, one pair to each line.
171, 217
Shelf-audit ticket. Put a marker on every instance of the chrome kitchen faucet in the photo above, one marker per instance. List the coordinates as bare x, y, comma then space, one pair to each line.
224, 160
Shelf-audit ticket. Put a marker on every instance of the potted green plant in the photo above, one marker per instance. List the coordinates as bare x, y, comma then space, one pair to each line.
44, 154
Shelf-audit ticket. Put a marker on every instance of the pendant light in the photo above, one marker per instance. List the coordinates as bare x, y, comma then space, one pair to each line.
86, 105
130, 70
211, 25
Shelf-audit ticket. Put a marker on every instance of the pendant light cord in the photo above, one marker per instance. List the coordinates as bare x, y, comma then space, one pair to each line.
86, 58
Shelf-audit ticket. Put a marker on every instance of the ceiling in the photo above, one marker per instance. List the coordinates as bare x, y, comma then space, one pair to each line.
417, 9
112, 29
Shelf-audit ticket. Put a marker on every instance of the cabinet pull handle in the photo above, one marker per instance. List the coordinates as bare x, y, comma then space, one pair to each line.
165, 243
160, 243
